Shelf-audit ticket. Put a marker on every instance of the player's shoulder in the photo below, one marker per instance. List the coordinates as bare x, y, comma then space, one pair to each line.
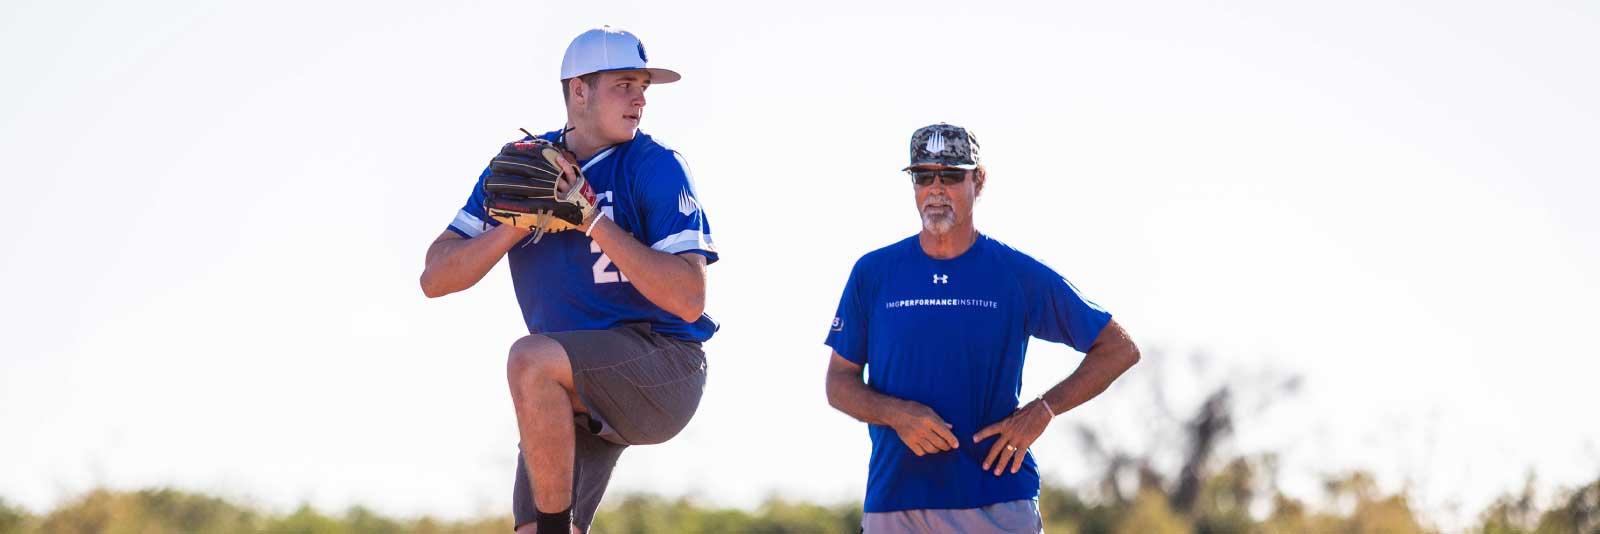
653, 166
645, 149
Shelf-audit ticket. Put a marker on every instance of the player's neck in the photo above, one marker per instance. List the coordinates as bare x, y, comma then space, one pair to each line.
943, 246
585, 144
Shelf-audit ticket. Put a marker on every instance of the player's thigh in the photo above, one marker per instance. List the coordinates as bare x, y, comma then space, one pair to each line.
641, 387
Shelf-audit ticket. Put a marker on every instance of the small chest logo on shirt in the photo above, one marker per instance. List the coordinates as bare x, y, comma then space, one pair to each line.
941, 279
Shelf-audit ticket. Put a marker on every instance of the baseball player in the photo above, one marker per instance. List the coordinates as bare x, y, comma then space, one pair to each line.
608, 245
943, 319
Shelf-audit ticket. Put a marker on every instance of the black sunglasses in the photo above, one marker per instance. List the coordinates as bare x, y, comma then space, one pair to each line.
925, 178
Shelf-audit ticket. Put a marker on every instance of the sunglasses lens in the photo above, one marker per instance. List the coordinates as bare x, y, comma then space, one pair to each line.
945, 176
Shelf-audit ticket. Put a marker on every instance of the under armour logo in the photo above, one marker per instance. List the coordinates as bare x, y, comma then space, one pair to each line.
941, 279
935, 144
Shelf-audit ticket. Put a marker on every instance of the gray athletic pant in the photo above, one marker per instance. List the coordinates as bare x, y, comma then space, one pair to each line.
1010, 517
639, 387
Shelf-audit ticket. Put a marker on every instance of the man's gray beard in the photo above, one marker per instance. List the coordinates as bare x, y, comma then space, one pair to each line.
938, 224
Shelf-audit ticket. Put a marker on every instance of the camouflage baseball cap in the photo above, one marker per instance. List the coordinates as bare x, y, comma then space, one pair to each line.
944, 144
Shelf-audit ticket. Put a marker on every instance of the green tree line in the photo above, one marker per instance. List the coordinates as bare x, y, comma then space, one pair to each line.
1220, 506
1203, 495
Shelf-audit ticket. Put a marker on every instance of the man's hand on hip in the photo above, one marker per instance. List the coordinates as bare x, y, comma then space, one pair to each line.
923, 430
1017, 432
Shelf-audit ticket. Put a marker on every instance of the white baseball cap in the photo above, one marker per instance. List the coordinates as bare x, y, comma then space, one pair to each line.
606, 49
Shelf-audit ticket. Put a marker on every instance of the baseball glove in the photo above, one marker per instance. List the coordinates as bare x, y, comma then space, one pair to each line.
525, 188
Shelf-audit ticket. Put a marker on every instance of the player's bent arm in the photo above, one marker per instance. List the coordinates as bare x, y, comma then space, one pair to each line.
455, 263
1112, 353
675, 282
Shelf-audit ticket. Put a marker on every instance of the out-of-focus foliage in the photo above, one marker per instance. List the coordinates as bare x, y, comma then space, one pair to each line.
1202, 494
13, 520
1576, 512
162, 511
1222, 506
640, 514
138, 512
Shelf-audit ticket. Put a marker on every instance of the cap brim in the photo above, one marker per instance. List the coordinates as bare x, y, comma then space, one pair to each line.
656, 75
663, 75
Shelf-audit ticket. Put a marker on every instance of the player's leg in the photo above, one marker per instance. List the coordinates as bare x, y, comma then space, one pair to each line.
591, 472
591, 475
544, 397
630, 385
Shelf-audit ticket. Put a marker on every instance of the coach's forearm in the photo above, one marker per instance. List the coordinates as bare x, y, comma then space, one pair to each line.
455, 263
1112, 354
848, 394
675, 283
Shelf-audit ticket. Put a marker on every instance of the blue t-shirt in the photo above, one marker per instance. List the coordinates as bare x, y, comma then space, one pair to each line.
951, 334
565, 282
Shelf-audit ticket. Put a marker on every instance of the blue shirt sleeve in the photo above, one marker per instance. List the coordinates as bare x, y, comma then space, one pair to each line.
471, 220
674, 220
1057, 311
848, 335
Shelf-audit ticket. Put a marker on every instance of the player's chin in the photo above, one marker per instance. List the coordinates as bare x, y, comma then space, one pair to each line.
624, 129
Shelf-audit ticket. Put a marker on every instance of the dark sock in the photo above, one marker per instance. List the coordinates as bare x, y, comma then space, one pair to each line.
553, 523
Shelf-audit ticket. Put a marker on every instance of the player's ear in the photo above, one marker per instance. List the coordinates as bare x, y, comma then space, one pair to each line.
578, 89
979, 176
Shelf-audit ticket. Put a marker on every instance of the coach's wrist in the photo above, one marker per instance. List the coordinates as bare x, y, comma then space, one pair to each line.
901, 413
1044, 405
895, 414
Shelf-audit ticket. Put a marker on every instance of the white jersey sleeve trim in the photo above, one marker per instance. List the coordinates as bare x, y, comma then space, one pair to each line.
596, 159
692, 239
467, 223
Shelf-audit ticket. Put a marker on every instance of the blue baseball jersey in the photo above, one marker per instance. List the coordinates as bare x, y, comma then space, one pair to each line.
564, 282
951, 334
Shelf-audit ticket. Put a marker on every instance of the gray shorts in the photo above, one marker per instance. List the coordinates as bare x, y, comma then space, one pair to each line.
1010, 517
640, 388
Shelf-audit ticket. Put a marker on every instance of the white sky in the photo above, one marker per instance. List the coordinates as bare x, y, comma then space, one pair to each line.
219, 213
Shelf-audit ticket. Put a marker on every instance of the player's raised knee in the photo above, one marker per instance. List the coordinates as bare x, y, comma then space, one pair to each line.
535, 357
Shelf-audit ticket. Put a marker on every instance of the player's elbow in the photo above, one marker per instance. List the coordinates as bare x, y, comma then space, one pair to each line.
432, 287
691, 301
692, 310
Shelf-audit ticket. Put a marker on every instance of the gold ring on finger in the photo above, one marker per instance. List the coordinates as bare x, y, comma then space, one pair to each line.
1011, 448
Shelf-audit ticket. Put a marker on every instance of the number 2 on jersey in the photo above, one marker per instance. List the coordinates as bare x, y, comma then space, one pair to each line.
602, 265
